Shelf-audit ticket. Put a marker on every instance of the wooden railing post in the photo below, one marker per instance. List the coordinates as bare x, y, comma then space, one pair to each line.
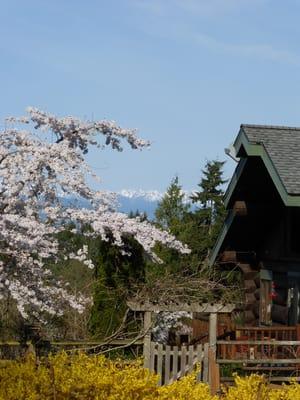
147, 339
214, 373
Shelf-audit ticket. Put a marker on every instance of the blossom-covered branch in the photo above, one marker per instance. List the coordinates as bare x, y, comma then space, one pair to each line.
35, 170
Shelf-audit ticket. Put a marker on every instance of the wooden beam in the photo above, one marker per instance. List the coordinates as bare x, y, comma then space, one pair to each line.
214, 373
260, 361
188, 307
240, 208
249, 285
248, 271
250, 298
228, 256
266, 328
269, 342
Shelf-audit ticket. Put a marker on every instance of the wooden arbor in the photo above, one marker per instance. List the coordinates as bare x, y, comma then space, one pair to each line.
212, 309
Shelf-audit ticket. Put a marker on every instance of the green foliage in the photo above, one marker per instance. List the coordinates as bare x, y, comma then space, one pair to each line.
143, 216
169, 215
211, 193
211, 210
210, 213
197, 228
116, 270
171, 209
119, 272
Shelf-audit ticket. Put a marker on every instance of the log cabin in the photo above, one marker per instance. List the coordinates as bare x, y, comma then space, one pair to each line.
261, 234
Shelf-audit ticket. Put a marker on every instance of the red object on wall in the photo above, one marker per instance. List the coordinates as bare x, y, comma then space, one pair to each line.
273, 293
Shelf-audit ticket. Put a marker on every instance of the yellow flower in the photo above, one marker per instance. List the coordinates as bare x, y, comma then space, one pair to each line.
85, 377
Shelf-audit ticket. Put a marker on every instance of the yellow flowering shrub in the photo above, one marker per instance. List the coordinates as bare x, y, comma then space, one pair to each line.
82, 377
71, 377
255, 387
185, 389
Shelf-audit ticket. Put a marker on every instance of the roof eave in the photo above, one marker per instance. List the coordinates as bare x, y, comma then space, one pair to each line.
258, 150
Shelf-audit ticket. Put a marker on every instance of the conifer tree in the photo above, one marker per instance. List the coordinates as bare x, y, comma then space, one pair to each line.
198, 227
209, 198
171, 209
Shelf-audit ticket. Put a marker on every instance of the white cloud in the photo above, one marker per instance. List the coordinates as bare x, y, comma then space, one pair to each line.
200, 7
258, 50
168, 22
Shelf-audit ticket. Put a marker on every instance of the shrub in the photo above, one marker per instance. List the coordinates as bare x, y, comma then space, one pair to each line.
70, 377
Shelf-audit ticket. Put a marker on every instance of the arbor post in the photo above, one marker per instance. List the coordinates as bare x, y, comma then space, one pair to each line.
214, 373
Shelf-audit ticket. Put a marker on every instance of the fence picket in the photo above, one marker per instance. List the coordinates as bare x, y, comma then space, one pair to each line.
172, 363
199, 357
152, 356
159, 362
205, 363
191, 358
183, 359
167, 365
175, 362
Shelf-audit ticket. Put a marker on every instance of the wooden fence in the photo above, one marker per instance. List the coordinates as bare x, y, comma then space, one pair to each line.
173, 362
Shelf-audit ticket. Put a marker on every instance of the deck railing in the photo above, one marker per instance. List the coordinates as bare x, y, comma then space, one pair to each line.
259, 351
268, 332
272, 350
260, 343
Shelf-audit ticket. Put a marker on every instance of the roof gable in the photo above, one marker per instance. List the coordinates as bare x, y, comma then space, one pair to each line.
279, 149
282, 144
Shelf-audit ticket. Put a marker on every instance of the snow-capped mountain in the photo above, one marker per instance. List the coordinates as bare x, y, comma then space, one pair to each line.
148, 195
128, 200
142, 200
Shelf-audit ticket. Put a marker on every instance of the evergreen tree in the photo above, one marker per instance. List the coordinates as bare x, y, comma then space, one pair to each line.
210, 213
211, 193
143, 216
197, 228
171, 209
169, 215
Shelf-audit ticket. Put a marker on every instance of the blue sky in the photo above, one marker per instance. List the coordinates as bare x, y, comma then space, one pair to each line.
186, 73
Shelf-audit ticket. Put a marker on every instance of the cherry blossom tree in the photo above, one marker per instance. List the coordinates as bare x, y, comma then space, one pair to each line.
41, 161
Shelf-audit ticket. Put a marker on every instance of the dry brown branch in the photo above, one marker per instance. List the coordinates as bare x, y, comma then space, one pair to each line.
120, 333
186, 289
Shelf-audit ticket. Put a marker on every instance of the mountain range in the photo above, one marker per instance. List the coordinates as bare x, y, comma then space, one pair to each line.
144, 201
139, 200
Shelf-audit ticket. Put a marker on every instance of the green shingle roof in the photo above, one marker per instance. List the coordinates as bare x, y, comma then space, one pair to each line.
283, 147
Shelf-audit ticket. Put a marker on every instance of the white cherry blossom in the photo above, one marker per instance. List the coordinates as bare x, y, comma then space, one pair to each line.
38, 165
